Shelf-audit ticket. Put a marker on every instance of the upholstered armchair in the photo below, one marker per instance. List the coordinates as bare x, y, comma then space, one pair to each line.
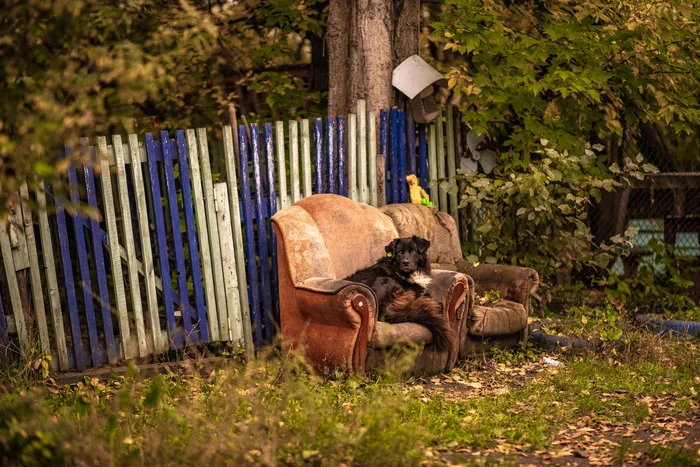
321, 240
503, 323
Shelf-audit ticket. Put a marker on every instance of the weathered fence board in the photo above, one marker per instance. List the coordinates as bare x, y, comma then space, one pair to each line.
331, 168
114, 247
249, 213
79, 221
176, 338
261, 215
442, 172
239, 247
306, 156
451, 162
295, 174
69, 283
372, 126
342, 166
353, 192
362, 151
52, 281
137, 153
272, 200
132, 269
35, 275
220, 311
281, 166
432, 165
17, 311
203, 236
100, 269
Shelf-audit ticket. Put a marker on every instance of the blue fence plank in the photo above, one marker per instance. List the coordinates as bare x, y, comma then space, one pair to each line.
71, 299
318, 155
175, 336
342, 188
248, 213
422, 156
384, 148
331, 154
272, 199
401, 136
192, 241
263, 252
168, 148
84, 267
410, 143
394, 151
101, 268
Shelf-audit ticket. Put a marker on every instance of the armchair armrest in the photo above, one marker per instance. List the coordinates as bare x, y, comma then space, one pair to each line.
515, 283
451, 289
334, 302
336, 318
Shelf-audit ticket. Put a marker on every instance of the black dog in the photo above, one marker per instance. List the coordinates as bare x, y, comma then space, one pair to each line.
399, 280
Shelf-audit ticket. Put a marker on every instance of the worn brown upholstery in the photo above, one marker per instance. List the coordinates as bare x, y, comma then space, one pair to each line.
324, 238
502, 323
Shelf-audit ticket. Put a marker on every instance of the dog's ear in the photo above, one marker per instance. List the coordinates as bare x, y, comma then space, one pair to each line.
391, 248
421, 244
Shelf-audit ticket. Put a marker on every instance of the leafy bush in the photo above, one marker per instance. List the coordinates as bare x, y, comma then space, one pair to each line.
534, 211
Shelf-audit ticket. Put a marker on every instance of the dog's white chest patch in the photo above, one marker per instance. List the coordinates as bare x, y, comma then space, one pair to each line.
421, 279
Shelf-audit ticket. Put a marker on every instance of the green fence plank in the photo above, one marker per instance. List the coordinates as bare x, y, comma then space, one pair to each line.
52, 282
372, 141
281, 167
353, 192
362, 151
138, 156
432, 165
35, 276
213, 230
129, 245
203, 236
452, 162
234, 322
104, 154
295, 174
442, 172
239, 247
11, 275
306, 156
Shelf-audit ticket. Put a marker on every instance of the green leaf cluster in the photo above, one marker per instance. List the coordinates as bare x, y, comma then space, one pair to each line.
73, 68
536, 213
572, 71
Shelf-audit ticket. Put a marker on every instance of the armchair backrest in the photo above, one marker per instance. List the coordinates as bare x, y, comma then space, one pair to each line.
332, 236
437, 227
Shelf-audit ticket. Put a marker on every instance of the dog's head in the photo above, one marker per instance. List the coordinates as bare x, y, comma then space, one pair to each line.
408, 254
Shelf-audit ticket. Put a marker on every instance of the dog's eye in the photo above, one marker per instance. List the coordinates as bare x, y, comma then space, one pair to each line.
413, 252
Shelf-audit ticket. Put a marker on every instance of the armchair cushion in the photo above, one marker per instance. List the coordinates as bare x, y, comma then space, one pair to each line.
502, 318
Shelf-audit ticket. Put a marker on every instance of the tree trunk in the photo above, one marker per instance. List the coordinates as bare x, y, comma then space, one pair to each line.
367, 39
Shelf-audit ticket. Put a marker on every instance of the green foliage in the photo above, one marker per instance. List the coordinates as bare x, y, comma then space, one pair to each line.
534, 212
76, 68
274, 411
652, 291
566, 69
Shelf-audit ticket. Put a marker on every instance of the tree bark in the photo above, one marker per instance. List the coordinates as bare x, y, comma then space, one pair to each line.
366, 40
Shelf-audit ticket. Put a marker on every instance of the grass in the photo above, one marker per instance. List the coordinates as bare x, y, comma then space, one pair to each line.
624, 405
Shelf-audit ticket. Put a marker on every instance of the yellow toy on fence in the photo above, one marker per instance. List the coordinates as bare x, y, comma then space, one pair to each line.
416, 193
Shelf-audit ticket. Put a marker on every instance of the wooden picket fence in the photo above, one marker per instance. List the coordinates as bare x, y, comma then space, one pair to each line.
174, 258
